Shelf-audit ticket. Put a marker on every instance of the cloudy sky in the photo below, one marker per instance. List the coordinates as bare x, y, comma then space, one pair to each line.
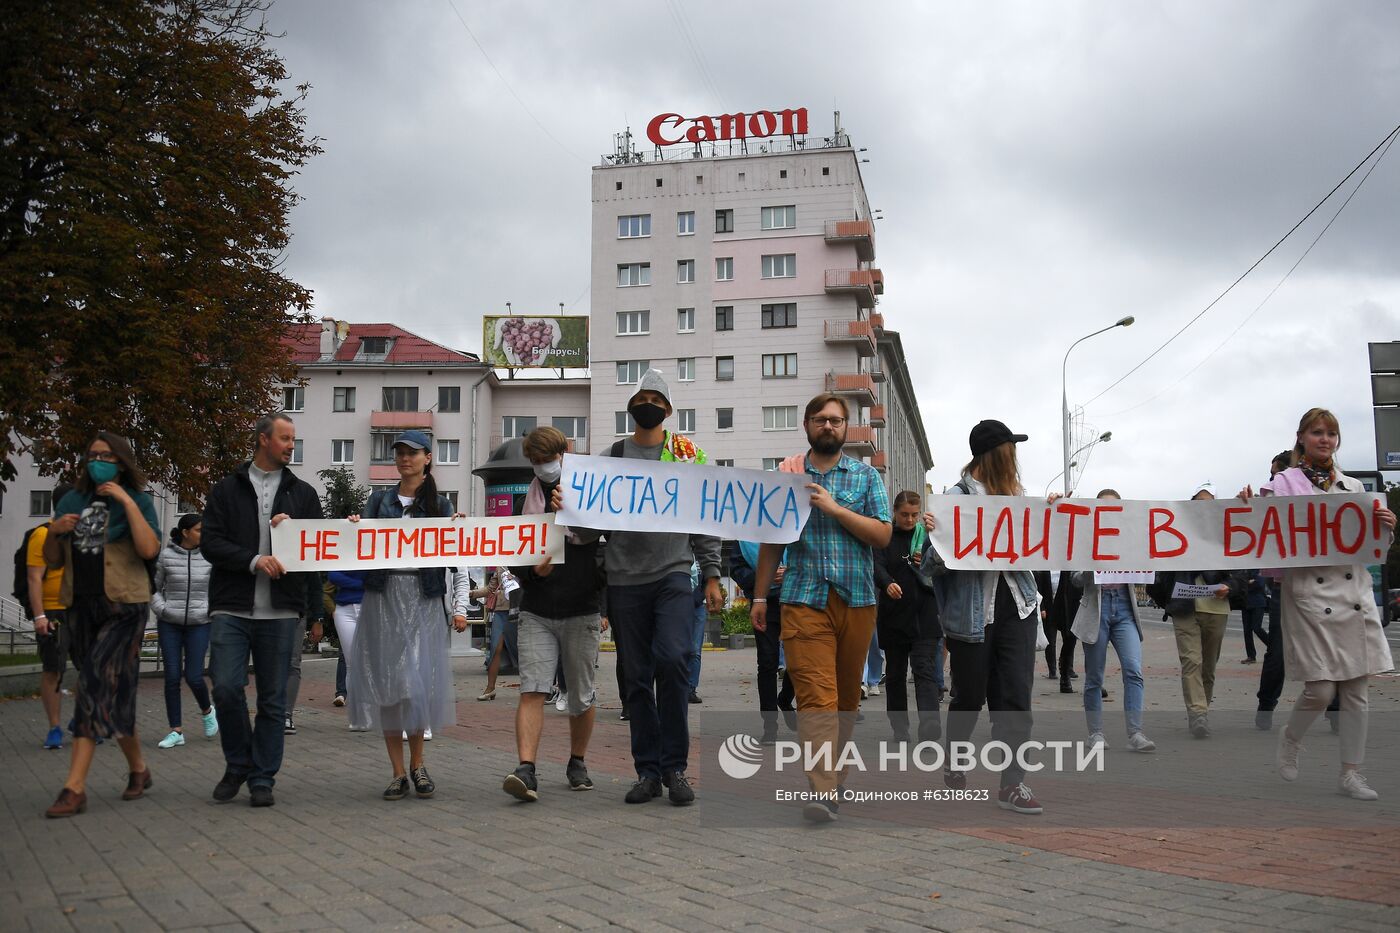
1043, 168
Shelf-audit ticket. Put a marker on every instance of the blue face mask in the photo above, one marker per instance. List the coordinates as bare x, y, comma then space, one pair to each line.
101, 471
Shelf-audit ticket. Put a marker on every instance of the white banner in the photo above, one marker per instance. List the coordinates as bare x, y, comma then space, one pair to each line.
613, 493
1193, 591
1111, 577
1004, 533
398, 543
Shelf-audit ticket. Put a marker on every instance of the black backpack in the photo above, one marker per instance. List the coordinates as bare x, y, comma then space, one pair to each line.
21, 590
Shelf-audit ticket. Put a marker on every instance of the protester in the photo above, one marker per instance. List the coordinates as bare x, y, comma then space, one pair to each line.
1045, 585
1255, 606
874, 669
105, 532
502, 642
1271, 671
829, 600
651, 609
254, 605
349, 595
181, 607
1199, 625
52, 636
1108, 614
312, 628
742, 569
1332, 636
400, 670
560, 622
699, 616
990, 620
1061, 620
907, 622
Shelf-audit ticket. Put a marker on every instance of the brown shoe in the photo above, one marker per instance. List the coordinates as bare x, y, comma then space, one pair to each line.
137, 783
69, 803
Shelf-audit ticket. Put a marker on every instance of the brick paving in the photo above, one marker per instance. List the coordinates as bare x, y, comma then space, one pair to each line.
332, 855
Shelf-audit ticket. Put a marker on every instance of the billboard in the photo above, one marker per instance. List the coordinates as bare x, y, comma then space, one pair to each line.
521, 342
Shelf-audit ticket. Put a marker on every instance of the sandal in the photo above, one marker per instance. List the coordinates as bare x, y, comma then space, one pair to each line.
488, 695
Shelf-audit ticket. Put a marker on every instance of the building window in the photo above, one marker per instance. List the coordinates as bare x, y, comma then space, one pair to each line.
658, 183
449, 451
685, 223
449, 398
623, 423
724, 220
632, 323
724, 317
779, 365
374, 347
451, 495
784, 315
344, 399
631, 274
513, 426
629, 372
298, 446
381, 446
724, 369
728, 463
343, 451
41, 502
685, 320
400, 398
779, 218
294, 398
724, 419
630, 226
685, 271
826, 170
572, 427
780, 266
782, 173
685, 369
685, 420
617, 186
724, 269
780, 418
771, 463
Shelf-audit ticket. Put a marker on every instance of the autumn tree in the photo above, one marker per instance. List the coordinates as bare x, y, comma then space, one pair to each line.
146, 154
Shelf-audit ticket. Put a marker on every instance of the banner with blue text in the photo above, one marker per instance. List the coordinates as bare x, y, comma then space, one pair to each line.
617, 494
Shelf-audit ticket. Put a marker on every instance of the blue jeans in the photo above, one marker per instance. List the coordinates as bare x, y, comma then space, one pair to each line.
253, 752
874, 662
654, 623
1116, 626
183, 648
697, 644
502, 632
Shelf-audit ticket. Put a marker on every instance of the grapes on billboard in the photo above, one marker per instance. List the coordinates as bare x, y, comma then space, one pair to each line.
544, 341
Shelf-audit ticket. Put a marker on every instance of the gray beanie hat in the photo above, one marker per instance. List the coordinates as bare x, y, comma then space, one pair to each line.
653, 381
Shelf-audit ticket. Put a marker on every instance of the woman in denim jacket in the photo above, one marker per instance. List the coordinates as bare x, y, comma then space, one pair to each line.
990, 619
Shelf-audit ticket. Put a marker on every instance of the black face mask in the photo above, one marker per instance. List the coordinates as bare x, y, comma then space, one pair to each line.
647, 415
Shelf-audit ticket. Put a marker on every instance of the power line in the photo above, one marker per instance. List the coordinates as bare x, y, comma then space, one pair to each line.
1272, 291
1269, 252
683, 27
528, 112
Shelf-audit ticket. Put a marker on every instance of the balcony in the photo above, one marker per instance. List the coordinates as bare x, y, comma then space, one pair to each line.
382, 473
857, 233
877, 416
877, 321
880, 461
878, 375
855, 333
857, 282
401, 420
878, 276
857, 386
860, 440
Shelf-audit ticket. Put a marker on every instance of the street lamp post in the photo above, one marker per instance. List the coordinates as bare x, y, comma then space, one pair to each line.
1064, 392
1103, 438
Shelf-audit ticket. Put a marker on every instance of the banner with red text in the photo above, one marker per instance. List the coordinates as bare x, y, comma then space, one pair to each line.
1005, 532
396, 543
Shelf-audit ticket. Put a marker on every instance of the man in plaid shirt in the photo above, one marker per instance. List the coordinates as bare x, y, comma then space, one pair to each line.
829, 599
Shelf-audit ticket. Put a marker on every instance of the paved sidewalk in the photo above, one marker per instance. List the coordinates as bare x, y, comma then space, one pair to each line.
333, 855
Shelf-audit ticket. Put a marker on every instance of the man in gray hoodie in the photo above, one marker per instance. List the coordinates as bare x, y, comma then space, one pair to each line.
650, 609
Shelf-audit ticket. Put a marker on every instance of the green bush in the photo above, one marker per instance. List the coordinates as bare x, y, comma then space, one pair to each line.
736, 620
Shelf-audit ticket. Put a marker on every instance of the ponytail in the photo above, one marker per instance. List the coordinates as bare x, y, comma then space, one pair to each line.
176, 536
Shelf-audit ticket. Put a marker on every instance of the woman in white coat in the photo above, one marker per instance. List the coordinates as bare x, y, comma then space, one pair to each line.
1108, 615
1332, 637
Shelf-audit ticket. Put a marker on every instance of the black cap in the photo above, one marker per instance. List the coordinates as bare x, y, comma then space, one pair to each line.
989, 435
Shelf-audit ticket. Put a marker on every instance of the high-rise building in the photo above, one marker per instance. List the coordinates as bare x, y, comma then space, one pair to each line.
750, 280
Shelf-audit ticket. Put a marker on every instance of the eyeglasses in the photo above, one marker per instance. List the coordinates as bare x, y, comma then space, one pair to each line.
823, 420
104, 456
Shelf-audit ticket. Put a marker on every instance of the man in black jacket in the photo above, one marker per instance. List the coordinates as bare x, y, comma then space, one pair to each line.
254, 605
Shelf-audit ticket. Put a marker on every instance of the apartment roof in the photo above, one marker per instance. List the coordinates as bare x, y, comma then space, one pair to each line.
405, 347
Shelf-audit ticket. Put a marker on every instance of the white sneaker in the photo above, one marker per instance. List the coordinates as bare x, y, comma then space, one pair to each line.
1137, 742
177, 738
864, 691
1096, 739
562, 703
1354, 785
355, 728
211, 723
427, 735
874, 690
1287, 757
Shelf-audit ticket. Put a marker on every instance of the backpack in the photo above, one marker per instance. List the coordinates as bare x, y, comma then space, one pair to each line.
21, 589
1160, 589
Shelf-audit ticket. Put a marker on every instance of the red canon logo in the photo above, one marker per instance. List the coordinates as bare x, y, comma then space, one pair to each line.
757, 125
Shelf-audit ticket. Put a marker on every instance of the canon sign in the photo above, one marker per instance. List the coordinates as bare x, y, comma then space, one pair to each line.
667, 129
